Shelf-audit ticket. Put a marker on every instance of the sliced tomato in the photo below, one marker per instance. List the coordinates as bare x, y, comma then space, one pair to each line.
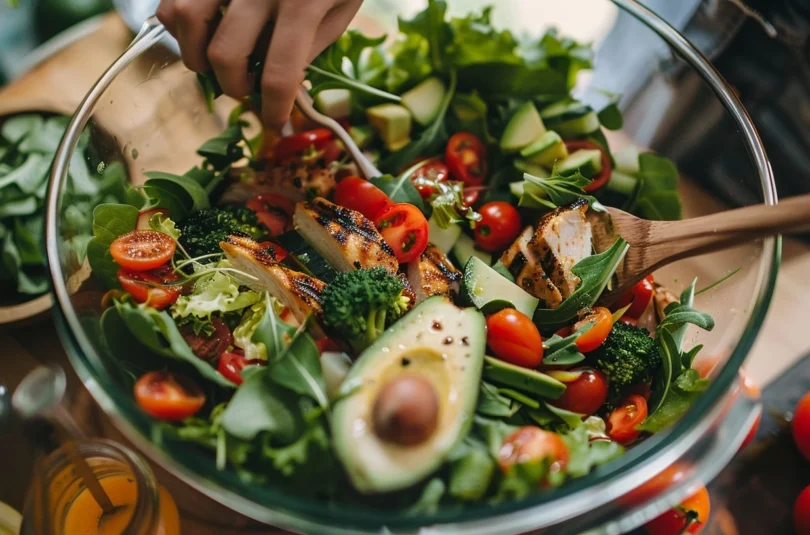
689, 517
602, 178
624, 419
327, 345
801, 513
638, 298
271, 202
405, 229
153, 288
231, 364
428, 175
602, 323
514, 338
145, 215
499, 226
142, 250
362, 196
801, 426
531, 444
208, 347
289, 146
466, 158
168, 396
586, 394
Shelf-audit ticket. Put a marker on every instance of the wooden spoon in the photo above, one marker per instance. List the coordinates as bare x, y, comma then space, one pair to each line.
654, 244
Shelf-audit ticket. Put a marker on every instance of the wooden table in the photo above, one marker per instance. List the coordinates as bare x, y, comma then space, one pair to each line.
73, 70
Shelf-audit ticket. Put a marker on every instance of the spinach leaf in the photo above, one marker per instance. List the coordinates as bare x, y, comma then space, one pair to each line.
30, 175
223, 149
307, 452
492, 403
499, 81
16, 128
657, 197
188, 191
400, 189
471, 473
18, 207
555, 191
28, 284
682, 393
559, 351
26, 237
431, 26
259, 407
584, 454
109, 222
45, 140
594, 272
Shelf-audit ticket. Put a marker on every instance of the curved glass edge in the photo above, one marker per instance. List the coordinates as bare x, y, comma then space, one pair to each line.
578, 498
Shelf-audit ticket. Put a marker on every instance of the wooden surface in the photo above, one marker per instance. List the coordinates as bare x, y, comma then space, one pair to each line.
73, 71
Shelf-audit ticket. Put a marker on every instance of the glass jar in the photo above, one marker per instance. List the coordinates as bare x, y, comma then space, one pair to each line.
145, 507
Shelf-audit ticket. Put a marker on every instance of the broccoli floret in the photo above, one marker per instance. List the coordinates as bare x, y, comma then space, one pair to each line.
201, 232
358, 305
628, 357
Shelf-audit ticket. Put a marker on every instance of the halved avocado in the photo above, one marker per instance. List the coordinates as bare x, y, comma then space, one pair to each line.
436, 342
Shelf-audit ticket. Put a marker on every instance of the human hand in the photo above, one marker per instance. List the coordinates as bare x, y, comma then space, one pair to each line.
299, 30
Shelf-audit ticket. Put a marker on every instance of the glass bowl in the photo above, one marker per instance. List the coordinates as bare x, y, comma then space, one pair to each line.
156, 116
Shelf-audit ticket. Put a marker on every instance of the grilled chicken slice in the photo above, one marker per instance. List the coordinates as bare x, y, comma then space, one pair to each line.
525, 266
299, 292
563, 238
295, 181
433, 274
345, 238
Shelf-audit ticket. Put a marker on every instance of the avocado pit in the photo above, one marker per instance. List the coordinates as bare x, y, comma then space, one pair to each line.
406, 410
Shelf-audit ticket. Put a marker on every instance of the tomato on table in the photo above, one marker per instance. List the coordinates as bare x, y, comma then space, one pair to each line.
427, 175
801, 513
585, 394
155, 288
689, 517
231, 364
514, 338
604, 175
801, 426
168, 396
405, 229
623, 420
532, 444
466, 158
602, 323
274, 211
638, 297
362, 196
499, 226
289, 146
142, 250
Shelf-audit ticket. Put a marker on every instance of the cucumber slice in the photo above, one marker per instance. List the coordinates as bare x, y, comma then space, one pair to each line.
534, 170
465, 248
335, 103
622, 183
571, 118
516, 188
546, 150
588, 162
425, 100
483, 285
443, 238
524, 127
522, 379
627, 160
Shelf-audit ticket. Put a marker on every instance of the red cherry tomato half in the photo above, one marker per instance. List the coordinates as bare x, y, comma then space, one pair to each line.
292, 145
586, 394
426, 177
151, 287
532, 444
231, 364
514, 338
624, 419
604, 175
405, 229
362, 196
602, 321
801, 426
499, 226
689, 517
274, 211
801, 513
332, 152
145, 215
142, 250
168, 396
466, 158
638, 297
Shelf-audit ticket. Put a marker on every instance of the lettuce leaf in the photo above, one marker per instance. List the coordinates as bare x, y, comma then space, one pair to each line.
217, 292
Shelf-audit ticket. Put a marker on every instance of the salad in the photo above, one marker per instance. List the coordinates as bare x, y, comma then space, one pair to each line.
432, 336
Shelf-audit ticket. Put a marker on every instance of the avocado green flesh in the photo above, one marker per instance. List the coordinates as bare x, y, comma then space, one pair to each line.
392, 122
437, 341
425, 100
522, 379
484, 285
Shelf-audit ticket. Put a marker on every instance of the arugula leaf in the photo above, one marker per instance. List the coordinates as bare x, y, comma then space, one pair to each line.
430, 25
313, 445
476, 41
259, 407
400, 189
492, 403
223, 149
682, 393
555, 191
471, 473
299, 368
670, 368
657, 197
559, 351
109, 222
271, 332
584, 454
594, 272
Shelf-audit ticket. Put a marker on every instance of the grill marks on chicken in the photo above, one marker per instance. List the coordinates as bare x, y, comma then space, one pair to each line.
433, 274
525, 266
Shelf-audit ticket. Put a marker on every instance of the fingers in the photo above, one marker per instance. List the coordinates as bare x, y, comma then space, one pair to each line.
333, 26
234, 41
288, 56
194, 21
165, 14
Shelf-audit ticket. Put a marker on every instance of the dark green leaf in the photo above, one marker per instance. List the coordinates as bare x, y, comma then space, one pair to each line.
521, 398
19, 207
28, 238
272, 332
683, 392
670, 368
189, 191
429, 501
657, 197
299, 369
223, 150
430, 24
476, 41
559, 351
259, 407
45, 140
109, 222
555, 191
584, 454
400, 189
30, 175
471, 475
571, 419
492, 403
470, 112
313, 445
33, 284
16, 128
513, 80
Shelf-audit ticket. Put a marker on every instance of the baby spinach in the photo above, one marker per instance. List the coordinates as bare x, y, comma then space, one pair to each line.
401, 189
109, 222
259, 407
657, 197
680, 396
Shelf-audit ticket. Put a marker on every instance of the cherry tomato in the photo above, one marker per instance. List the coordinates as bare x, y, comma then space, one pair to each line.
659, 483
642, 389
624, 419
629, 321
532, 444
274, 211
466, 158
151, 287
292, 145
469, 196
586, 394
801, 513
326, 345
638, 297
405, 229
142, 250
602, 321
332, 152
801, 426
604, 175
362, 196
208, 347
145, 215
231, 364
499, 226
426, 176
689, 517
514, 338
168, 396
